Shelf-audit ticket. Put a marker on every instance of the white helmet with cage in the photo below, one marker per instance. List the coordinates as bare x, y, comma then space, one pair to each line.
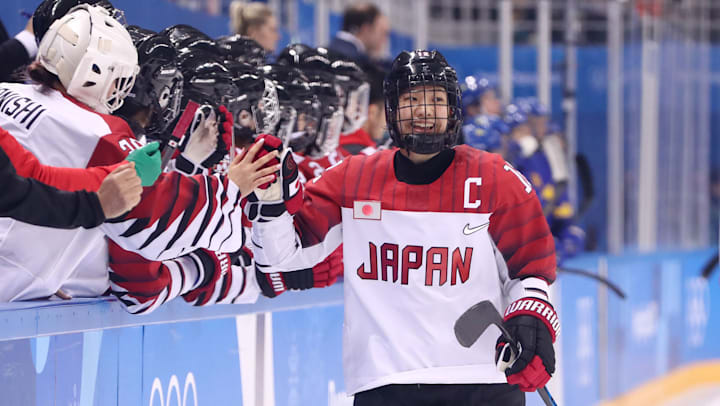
93, 56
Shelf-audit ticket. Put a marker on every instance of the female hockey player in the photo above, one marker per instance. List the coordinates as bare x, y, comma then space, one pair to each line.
429, 230
86, 66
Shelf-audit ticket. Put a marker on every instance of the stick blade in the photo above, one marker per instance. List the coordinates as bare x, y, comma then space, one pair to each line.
473, 323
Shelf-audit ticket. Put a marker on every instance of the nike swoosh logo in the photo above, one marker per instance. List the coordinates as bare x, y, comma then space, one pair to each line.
469, 230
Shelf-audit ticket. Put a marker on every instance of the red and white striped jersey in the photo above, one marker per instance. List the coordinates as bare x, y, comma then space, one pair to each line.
416, 257
176, 215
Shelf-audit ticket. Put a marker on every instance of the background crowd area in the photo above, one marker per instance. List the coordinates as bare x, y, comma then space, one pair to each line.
468, 34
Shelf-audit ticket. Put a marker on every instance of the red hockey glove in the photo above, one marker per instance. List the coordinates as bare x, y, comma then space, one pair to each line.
534, 324
225, 126
327, 272
321, 275
216, 278
270, 144
284, 194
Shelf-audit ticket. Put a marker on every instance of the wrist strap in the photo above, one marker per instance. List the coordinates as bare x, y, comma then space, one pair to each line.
187, 167
530, 306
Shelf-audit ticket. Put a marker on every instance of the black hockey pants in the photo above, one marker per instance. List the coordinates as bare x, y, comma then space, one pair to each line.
442, 395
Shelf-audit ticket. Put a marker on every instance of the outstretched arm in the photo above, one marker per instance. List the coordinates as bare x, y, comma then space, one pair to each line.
177, 214
288, 243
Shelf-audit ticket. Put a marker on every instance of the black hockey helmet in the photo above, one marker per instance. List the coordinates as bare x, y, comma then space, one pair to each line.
208, 83
419, 69
50, 10
186, 38
207, 80
299, 107
256, 109
348, 78
241, 49
331, 115
295, 54
353, 85
159, 83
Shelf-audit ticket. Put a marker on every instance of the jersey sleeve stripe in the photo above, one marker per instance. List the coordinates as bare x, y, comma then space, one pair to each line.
359, 171
210, 210
187, 215
136, 227
527, 223
510, 248
224, 198
165, 218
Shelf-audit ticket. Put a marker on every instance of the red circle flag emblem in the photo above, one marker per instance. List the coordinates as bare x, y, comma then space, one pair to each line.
367, 209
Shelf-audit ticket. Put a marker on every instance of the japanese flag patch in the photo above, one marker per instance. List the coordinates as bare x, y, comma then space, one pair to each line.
367, 210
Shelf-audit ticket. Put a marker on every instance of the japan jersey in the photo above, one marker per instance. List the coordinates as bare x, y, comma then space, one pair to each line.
416, 257
176, 215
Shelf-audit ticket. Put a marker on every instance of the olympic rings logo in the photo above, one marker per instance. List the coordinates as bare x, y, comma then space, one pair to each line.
174, 391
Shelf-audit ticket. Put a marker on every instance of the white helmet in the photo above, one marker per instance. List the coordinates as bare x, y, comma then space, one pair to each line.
93, 56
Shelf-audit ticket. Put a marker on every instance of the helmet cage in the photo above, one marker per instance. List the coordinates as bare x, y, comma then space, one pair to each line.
92, 55
166, 94
95, 70
424, 143
266, 112
286, 124
328, 139
356, 108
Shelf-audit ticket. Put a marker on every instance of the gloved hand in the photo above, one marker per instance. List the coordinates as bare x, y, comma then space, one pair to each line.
225, 127
147, 163
533, 323
248, 173
207, 142
270, 201
216, 278
321, 275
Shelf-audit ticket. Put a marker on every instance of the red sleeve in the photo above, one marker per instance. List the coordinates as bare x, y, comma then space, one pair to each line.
69, 179
142, 285
518, 226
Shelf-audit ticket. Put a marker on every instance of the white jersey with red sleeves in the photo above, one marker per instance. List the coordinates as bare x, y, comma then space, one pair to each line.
176, 215
416, 257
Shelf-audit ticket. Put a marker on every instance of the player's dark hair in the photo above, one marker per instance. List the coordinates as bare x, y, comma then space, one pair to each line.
357, 15
42, 76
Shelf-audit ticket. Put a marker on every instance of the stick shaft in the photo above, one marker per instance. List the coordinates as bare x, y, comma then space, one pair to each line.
581, 272
546, 396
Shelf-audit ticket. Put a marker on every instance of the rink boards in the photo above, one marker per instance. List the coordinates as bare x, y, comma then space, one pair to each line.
92, 353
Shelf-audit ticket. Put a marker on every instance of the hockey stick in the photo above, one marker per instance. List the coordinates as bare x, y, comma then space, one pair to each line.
471, 324
709, 267
581, 272
178, 133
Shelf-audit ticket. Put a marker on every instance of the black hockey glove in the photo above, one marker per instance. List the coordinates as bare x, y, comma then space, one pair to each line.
534, 324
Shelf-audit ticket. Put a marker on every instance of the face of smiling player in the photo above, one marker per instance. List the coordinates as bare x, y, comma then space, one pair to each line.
423, 110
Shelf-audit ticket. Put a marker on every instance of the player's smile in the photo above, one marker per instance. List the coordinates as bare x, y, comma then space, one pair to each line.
423, 127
